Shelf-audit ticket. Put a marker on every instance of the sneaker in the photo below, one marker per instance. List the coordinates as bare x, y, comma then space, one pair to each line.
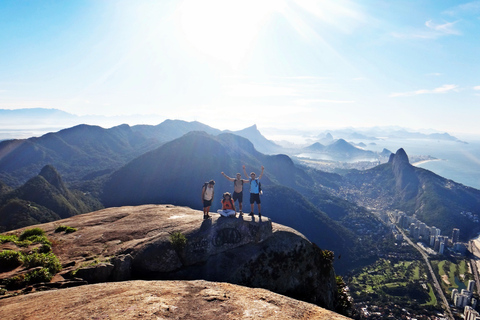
251, 214
259, 215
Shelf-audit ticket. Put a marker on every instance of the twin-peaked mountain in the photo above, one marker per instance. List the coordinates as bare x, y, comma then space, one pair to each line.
170, 162
399, 185
340, 150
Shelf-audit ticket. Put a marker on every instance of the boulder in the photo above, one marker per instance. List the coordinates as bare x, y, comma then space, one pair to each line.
118, 244
160, 300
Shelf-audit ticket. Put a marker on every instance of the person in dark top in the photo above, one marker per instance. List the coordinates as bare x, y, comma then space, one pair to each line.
228, 206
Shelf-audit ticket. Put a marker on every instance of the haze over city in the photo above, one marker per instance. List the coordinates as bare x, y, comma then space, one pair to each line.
230, 64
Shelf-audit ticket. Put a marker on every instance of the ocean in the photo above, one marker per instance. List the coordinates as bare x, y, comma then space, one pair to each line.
458, 161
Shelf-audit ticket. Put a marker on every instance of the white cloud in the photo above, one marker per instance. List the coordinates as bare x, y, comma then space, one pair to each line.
432, 31
443, 29
476, 88
443, 89
472, 7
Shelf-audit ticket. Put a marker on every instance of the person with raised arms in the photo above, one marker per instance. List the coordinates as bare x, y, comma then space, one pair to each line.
255, 190
237, 190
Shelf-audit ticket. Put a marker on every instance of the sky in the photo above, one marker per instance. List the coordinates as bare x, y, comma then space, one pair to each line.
289, 64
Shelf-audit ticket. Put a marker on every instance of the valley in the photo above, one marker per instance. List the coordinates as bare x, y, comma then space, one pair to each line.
340, 206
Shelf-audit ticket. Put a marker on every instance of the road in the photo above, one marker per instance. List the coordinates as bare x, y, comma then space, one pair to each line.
473, 248
436, 284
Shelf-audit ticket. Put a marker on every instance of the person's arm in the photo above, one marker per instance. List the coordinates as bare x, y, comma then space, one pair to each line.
203, 193
261, 174
230, 179
245, 172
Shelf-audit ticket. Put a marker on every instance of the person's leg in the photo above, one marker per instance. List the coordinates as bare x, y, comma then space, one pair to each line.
252, 201
239, 197
206, 208
259, 209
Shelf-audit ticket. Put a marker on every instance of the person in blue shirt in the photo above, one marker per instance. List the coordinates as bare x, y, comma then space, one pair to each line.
254, 191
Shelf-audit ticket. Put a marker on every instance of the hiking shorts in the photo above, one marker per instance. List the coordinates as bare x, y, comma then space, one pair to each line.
254, 197
207, 203
238, 196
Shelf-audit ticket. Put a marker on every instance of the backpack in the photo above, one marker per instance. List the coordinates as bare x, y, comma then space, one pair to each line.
259, 186
231, 201
234, 183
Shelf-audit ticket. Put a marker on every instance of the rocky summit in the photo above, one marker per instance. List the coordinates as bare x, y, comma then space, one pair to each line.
160, 300
166, 242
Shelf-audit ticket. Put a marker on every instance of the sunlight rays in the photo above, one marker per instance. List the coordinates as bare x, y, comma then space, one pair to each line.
225, 30
229, 30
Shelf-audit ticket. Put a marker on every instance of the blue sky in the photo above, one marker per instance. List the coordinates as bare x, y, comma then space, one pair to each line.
298, 64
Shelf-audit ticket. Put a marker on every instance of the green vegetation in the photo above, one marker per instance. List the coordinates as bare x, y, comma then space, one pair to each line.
433, 298
40, 275
46, 260
8, 238
10, 259
33, 258
452, 274
67, 229
401, 282
178, 241
28, 237
344, 304
31, 233
95, 260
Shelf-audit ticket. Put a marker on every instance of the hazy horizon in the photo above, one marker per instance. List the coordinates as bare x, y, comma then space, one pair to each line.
34, 123
291, 64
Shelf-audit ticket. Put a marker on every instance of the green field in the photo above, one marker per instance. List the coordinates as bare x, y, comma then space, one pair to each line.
452, 274
399, 282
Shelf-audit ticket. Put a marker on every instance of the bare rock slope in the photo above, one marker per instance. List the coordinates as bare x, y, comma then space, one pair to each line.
160, 300
126, 243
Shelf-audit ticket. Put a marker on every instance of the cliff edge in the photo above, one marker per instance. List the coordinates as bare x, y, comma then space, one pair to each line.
166, 242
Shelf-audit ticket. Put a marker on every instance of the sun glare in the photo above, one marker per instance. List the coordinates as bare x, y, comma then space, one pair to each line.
223, 29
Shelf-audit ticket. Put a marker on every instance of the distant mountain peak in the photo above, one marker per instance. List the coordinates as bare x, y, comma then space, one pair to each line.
399, 157
51, 175
251, 128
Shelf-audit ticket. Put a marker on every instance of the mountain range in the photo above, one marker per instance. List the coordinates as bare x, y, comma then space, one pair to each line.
341, 150
85, 152
169, 163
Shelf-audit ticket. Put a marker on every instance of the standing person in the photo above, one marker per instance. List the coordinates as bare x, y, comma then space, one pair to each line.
237, 189
207, 198
228, 206
254, 191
